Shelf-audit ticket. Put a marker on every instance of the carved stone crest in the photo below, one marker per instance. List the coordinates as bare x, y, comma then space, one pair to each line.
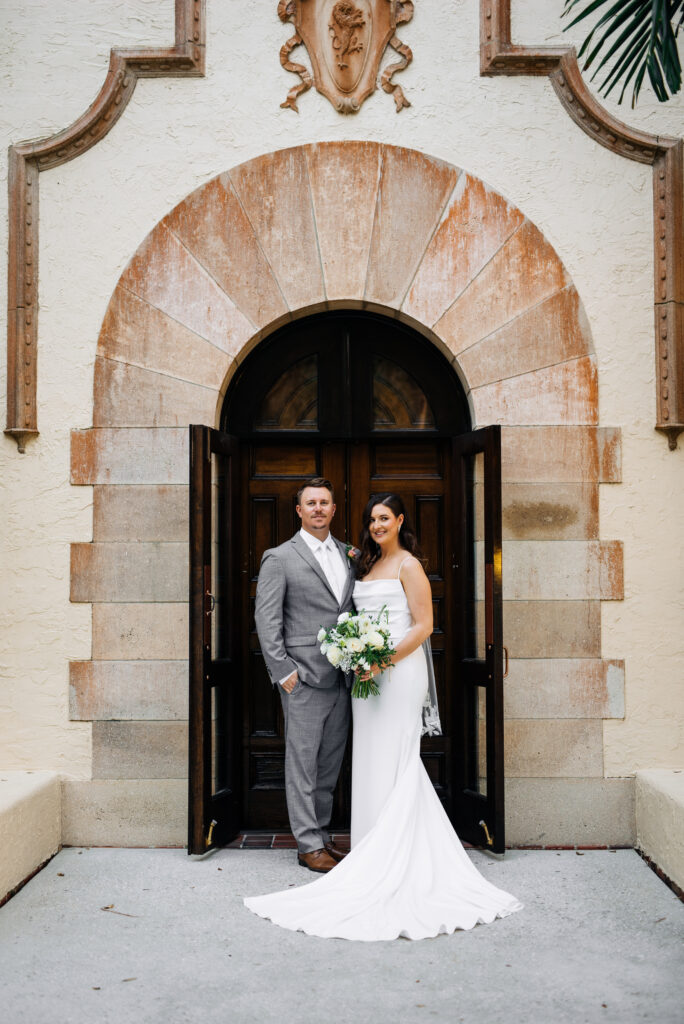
345, 40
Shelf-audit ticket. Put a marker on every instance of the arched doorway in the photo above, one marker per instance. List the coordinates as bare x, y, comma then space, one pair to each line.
372, 405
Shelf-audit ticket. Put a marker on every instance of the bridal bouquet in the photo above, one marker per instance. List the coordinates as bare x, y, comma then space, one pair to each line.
358, 641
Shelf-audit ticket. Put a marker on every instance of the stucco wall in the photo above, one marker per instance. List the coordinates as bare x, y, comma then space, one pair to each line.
594, 207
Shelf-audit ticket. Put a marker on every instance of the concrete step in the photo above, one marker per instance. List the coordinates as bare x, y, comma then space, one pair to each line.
30, 825
660, 820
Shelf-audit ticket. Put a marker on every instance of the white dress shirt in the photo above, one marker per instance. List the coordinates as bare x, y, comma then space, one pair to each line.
328, 555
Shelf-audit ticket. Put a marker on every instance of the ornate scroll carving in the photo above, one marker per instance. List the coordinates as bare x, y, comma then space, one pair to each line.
27, 159
345, 40
499, 56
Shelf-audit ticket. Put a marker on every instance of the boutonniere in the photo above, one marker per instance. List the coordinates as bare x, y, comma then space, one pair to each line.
351, 552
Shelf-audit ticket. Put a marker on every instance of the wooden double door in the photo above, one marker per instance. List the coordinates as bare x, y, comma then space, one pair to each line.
355, 400
270, 475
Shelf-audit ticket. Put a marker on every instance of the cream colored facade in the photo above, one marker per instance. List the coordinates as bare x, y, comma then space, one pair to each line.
593, 207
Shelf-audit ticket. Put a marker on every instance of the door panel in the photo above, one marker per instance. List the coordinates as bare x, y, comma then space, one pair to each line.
271, 474
214, 812
420, 472
479, 799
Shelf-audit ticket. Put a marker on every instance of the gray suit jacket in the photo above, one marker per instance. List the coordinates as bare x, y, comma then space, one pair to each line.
293, 600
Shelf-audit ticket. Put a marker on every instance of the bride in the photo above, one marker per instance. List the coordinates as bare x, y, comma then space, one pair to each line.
407, 873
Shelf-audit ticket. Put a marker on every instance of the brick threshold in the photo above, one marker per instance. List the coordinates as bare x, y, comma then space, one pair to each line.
285, 841
278, 841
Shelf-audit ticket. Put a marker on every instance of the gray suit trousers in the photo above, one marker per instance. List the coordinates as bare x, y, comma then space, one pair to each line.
316, 727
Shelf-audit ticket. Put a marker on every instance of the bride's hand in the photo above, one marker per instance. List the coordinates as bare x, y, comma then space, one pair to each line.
374, 670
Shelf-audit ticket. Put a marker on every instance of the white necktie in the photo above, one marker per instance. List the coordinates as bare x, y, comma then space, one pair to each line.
326, 559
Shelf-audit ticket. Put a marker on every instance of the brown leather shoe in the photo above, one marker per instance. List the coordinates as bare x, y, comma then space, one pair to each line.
335, 852
317, 860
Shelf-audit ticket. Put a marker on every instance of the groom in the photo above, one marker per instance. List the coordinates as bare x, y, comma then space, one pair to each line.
304, 584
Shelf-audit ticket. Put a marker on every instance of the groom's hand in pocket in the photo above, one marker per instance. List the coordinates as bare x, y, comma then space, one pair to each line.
289, 684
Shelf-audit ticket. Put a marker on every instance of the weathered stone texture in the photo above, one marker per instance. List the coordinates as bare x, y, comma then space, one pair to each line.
565, 688
548, 748
552, 629
140, 513
140, 750
476, 222
129, 396
140, 631
274, 192
562, 812
344, 193
212, 224
130, 456
121, 690
403, 228
129, 572
127, 812
564, 393
165, 274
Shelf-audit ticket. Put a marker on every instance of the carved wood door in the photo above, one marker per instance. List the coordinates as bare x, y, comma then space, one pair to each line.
478, 639
214, 762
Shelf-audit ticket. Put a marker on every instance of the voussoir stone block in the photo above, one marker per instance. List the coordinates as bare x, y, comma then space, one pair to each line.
135, 332
128, 690
212, 224
275, 194
476, 222
166, 275
129, 396
129, 572
403, 227
125, 812
564, 393
140, 750
140, 513
149, 455
140, 631
532, 272
344, 189
554, 331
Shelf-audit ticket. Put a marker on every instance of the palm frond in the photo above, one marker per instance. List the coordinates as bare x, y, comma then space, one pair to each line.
641, 36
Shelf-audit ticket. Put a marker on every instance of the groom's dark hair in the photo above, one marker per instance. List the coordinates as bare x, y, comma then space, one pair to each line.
315, 481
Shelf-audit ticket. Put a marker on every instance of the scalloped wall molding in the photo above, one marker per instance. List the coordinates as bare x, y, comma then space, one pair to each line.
28, 159
499, 56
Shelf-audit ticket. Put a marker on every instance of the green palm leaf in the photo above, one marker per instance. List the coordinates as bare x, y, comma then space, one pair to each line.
641, 36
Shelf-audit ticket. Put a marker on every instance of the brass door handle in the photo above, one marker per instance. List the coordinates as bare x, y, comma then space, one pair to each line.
505, 650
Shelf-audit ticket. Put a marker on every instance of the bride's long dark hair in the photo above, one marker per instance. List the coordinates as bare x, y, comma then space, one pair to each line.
370, 551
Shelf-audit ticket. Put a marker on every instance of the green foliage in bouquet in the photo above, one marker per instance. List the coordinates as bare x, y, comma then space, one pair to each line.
358, 642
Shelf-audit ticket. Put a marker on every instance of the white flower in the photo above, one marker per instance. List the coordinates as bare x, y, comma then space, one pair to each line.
355, 644
365, 624
343, 617
324, 648
375, 639
334, 656
321, 635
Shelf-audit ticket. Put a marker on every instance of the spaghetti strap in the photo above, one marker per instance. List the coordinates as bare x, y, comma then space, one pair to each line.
405, 560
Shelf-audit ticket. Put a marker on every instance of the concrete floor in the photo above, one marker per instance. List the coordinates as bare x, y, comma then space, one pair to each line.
601, 938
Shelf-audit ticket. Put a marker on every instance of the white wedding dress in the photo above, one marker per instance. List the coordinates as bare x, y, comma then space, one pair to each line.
407, 873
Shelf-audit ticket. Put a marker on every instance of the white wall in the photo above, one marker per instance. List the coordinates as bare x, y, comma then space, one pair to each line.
594, 207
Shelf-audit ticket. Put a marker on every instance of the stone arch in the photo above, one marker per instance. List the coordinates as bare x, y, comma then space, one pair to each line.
290, 233
335, 224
